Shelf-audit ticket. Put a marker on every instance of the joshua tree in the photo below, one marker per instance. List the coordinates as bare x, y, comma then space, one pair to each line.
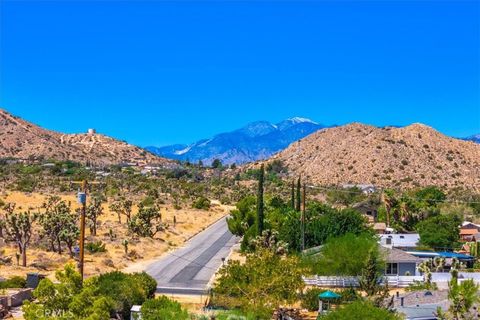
94, 210
122, 207
18, 228
299, 197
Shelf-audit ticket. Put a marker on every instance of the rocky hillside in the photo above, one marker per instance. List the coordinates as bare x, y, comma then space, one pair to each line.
389, 157
21, 139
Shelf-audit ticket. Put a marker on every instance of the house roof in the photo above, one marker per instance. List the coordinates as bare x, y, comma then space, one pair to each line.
468, 232
469, 225
444, 254
397, 255
421, 312
401, 239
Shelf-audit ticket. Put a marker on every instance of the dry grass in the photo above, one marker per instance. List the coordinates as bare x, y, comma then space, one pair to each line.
141, 251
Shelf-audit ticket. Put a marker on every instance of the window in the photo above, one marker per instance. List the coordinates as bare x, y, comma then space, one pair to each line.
391, 269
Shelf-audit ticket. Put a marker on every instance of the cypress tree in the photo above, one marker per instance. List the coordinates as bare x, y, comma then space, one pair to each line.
299, 197
293, 195
260, 213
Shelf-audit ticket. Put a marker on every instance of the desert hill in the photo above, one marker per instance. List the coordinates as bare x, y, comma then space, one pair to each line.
24, 140
388, 157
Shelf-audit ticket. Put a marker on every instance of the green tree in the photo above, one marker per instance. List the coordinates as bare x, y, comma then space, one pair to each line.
292, 195
163, 308
299, 196
346, 256
242, 217
371, 275
265, 281
54, 298
323, 222
439, 231
260, 204
430, 196
217, 164
463, 298
361, 310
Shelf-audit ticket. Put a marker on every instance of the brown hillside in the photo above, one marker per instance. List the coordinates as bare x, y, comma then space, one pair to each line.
21, 139
387, 157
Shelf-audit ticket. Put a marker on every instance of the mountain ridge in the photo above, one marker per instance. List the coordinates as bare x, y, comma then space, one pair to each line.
255, 141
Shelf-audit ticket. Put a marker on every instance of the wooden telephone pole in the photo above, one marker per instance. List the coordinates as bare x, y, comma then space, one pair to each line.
82, 199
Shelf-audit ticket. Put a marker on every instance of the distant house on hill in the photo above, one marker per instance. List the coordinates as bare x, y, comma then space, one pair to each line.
365, 188
468, 230
367, 209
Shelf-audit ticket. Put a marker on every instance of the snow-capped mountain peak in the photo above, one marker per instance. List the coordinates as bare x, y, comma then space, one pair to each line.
301, 120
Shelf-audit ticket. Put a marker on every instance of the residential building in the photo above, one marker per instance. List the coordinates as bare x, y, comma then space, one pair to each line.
400, 263
400, 240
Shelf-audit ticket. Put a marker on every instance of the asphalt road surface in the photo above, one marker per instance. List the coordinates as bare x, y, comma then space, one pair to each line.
189, 269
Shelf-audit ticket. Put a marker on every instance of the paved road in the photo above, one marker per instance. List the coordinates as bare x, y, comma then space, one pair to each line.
188, 270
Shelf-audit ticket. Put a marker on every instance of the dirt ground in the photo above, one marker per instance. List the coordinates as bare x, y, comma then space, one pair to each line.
141, 251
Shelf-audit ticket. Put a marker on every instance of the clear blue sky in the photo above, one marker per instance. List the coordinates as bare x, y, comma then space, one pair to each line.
158, 72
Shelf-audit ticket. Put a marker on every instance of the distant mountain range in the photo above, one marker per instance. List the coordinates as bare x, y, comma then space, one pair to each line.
474, 138
255, 141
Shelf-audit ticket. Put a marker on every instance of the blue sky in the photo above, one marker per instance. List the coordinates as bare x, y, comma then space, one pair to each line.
159, 72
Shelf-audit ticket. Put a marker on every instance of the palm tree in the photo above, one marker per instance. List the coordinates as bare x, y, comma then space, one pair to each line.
388, 200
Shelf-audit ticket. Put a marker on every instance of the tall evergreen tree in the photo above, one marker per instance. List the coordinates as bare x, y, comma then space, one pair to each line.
299, 197
260, 206
293, 195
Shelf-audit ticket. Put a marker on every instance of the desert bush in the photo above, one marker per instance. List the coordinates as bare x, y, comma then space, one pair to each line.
202, 203
13, 282
95, 247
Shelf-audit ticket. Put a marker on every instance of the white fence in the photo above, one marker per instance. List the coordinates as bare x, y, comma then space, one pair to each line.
345, 282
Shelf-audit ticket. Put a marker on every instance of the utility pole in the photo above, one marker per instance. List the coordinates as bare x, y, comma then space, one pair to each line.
82, 199
303, 216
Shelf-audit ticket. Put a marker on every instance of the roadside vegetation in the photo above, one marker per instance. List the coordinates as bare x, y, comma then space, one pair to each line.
282, 240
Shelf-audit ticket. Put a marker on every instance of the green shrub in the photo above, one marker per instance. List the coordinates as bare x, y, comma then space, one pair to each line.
13, 282
163, 308
202, 203
95, 247
310, 299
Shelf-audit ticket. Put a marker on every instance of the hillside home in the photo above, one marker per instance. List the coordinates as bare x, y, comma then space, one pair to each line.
365, 188
422, 304
468, 230
367, 209
400, 263
400, 240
